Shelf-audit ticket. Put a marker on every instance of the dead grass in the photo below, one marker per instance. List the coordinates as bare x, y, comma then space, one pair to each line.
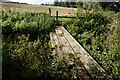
41, 8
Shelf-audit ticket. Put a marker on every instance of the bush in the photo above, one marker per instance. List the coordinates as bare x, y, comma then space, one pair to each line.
23, 55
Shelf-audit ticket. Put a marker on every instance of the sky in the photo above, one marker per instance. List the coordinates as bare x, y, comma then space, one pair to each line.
34, 1
51, 1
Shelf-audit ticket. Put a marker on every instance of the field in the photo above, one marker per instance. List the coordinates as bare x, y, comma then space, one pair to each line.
42, 8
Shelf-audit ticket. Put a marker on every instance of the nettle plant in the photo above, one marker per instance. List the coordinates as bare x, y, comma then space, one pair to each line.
26, 56
17, 22
32, 58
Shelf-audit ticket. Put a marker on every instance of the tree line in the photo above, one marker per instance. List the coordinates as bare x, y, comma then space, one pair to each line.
112, 6
65, 3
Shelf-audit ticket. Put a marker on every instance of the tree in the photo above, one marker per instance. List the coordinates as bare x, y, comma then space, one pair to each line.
42, 4
113, 6
56, 2
66, 2
92, 6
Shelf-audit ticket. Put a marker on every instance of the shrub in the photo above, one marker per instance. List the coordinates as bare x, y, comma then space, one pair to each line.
26, 48
98, 33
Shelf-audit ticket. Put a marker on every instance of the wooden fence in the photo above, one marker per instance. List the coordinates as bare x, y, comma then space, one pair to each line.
64, 16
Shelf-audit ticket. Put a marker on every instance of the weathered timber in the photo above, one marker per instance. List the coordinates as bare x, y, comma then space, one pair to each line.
89, 63
55, 43
64, 16
64, 48
63, 42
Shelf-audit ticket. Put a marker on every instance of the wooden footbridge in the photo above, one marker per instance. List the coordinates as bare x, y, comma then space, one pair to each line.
63, 42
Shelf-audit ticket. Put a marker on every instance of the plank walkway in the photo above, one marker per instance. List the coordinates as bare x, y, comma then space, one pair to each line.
63, 42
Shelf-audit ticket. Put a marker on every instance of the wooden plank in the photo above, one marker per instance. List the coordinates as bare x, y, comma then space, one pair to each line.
69, 53
67, 44
55, 44
68, 17
63, 42
90, 64
52, 42
64, 16
67, 50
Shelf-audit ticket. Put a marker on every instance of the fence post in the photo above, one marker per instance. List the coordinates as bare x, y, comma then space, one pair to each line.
77, 14
50, 11
57, 16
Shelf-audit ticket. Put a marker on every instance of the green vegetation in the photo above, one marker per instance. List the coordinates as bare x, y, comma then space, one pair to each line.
15, 23
25, 44
27, 52
110, 6
98, 33
26, 48
104, 6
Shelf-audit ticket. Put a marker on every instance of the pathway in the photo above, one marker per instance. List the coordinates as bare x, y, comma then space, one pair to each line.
65, 43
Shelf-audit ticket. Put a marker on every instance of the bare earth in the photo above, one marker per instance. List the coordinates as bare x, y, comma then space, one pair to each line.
41, 8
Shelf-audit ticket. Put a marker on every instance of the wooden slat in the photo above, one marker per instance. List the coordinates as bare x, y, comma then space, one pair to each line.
64, 16
68, 17
64, 46
55, 44
63, 42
